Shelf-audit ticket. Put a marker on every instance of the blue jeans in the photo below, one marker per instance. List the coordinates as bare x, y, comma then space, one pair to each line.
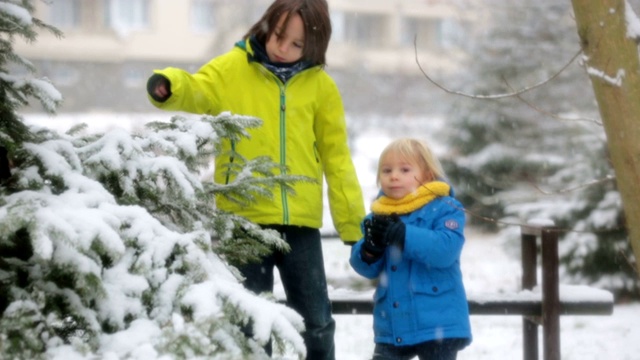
446, 349
305, 285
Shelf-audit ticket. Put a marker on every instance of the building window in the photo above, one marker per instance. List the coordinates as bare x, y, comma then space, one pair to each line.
366, 30
432, 33
127, 15
423, 31
65, 14
203, 16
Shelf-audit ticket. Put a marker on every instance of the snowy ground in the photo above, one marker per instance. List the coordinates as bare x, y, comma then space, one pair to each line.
487, 268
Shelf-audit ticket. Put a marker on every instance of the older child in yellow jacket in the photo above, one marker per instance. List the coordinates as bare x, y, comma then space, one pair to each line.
276, 73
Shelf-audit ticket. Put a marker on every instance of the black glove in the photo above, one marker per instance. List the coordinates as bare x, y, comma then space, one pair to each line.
371, 249
388, 230
153, 82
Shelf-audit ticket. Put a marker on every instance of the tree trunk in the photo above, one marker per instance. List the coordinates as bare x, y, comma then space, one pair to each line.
611, 59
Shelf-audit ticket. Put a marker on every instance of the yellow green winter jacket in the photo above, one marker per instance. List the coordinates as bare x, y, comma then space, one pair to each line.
303, 128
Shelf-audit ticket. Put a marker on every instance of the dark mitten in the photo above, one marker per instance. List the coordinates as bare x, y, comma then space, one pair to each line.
153, 82
379, 226
371, 250
395, 234
389, 230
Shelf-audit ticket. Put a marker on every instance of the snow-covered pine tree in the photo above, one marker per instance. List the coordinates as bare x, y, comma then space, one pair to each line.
541, 154
16, 22
107, 244
111, 262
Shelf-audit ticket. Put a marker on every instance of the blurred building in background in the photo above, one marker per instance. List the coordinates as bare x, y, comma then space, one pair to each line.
110, 47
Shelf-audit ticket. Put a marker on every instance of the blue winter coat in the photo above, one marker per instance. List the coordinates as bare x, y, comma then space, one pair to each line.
420, 295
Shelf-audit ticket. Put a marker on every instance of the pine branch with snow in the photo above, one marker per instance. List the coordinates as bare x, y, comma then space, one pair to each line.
110, 260
16, 21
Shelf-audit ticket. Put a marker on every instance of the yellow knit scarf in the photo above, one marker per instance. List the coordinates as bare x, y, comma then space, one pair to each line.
413, 201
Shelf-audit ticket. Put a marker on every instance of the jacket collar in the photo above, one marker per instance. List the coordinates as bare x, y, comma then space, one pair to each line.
257, 53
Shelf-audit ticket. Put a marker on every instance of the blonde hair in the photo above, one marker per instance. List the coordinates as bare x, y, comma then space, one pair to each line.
415, 152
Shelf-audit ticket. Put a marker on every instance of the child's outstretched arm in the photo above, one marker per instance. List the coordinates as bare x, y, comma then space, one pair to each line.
175, 89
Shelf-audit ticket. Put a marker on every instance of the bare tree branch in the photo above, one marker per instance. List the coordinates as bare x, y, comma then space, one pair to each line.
488, 97
581, 186
550, 114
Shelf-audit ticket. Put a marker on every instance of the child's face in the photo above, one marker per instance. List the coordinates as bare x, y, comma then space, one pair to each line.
286, 45
398, 177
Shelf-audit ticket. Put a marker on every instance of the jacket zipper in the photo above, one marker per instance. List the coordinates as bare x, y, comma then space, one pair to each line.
283, 148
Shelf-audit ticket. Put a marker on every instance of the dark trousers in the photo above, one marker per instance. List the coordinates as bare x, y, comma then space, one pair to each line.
305, 285
446, 349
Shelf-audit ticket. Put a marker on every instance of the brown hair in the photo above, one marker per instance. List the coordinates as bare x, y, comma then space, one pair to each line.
317, 25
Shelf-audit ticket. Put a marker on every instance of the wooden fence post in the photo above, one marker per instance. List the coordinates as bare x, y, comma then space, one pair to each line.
550, 294
529, 281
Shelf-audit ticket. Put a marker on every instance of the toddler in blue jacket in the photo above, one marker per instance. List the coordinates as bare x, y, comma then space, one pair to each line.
412, 245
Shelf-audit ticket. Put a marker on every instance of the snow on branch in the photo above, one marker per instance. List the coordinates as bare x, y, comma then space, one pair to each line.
17, 13
632, 21
614, 81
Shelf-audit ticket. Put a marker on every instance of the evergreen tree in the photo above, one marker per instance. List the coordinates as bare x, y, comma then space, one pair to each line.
119, 226
541, 154
111, 245
16, 22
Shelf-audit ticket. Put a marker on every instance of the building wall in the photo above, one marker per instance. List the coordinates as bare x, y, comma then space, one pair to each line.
110, 47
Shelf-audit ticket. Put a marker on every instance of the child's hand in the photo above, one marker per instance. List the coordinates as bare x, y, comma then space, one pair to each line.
159, 88
379, 226
371, 249
388, 230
